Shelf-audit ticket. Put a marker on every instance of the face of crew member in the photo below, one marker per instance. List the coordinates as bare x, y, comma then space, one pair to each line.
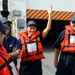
72, 25
2, 36
31, 30
7, 31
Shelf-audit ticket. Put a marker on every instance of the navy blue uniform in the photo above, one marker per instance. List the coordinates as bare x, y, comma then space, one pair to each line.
66, 65
9, 43
59, 40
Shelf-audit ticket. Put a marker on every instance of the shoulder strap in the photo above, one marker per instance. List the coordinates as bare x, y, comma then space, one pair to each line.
6, 64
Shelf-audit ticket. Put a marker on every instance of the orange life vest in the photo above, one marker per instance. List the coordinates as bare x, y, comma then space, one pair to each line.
5, 63
68, 44
32, 48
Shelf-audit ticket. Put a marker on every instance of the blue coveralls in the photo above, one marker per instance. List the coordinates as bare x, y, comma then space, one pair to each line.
10, 42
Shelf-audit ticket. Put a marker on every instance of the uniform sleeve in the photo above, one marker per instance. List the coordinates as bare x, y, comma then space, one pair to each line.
20, 43
59, 40
17, 44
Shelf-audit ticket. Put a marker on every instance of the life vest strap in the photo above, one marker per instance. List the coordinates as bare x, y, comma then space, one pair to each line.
25, 46
5, 64
67, 46
31, 55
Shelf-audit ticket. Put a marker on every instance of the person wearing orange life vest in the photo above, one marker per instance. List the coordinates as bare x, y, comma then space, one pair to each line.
65, 46
7, 67
32, 49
